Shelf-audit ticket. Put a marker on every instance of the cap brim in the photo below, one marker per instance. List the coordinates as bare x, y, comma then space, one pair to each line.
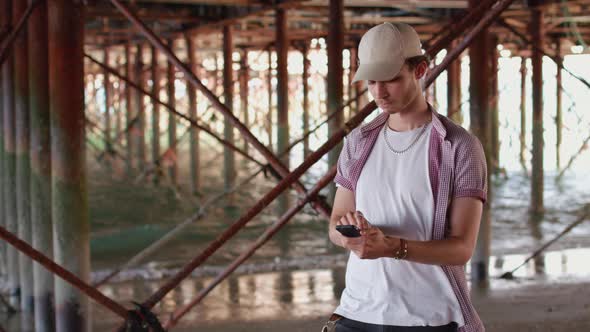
377, 71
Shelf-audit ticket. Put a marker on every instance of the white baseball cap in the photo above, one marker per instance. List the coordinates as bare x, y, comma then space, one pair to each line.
384, 49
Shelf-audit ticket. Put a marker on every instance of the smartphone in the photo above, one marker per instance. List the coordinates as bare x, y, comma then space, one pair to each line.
348, 230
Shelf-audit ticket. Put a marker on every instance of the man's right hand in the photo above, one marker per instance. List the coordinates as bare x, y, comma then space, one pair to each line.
358, 220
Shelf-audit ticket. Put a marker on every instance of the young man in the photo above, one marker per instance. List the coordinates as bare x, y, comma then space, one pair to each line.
414, 184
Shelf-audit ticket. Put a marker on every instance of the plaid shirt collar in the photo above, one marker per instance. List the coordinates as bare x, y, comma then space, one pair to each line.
380, 120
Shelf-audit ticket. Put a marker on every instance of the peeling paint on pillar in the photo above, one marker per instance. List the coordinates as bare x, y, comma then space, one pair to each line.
23, 163
10, 166
69, 187
40, 167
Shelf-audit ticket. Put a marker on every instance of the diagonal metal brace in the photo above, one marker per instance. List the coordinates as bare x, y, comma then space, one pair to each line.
141, 319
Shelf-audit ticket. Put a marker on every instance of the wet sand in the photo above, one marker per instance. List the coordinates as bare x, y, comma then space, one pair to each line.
540, 307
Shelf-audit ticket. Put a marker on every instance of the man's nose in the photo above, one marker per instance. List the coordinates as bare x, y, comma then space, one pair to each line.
380, 90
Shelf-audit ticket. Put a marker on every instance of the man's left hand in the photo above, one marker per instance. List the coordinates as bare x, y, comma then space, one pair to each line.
377, 244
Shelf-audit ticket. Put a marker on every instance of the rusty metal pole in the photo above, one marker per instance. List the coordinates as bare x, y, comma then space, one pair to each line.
454, 88
282, 49
128, 110
139, 129
335, 75
155, 115
269, 114
480, 127
107, 105
10, 165
40, 154
523, 75
192, 109
229, 167
23, 161
537, 32
305, 78
558, 112
244, 79
493, 105
172, 137
68, 173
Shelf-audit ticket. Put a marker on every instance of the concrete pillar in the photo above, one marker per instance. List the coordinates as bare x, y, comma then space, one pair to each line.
244, 79
40, 154
128, 109
68, 173
23, 161
108, 101
493, 104
269, 114
523, 74
139, 128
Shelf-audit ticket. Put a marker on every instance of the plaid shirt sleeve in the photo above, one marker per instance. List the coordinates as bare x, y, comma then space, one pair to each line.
470, 169
345, 160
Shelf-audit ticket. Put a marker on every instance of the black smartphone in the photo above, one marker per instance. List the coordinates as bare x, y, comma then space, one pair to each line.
348, 230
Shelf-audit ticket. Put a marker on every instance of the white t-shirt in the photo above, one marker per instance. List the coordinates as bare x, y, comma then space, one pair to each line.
394, 194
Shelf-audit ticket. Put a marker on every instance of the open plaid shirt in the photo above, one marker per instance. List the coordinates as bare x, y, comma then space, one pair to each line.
457, 168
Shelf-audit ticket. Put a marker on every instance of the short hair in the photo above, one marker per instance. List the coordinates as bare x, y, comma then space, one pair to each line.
414, 61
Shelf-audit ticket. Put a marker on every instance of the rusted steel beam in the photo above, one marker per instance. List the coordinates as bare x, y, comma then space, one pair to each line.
139, 124
171, 109
63, 273
172, 139
482, 24
40, 154
282, 91
107, 101
457, 28
10, 162
319, 204
229, 167
155, 115
7, 44
262, 239
454, 89
128, 110
537, 32
304, 79
194, 153
335, 74
69, 195
23, 162
479, 112
558, 97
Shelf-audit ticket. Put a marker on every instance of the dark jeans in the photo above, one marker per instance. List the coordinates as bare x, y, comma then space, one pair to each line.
349, 325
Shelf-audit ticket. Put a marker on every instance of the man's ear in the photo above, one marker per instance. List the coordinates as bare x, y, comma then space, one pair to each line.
420, 70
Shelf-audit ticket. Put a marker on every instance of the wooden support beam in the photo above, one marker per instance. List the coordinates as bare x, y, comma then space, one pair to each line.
493, 104
108, 100
523, 75
538, 40
69, 189
40, 154
269, 114
305, 82
558, 112
23, 161
139, 127
244, 78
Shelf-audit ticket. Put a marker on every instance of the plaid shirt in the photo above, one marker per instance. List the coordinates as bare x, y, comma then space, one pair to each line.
457, 168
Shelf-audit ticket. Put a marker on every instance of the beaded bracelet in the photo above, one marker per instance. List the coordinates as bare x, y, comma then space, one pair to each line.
402, 252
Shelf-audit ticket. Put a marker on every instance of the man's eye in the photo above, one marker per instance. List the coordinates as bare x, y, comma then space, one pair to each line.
371, 82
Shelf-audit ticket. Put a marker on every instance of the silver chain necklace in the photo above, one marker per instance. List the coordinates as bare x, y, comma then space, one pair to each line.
385, 130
